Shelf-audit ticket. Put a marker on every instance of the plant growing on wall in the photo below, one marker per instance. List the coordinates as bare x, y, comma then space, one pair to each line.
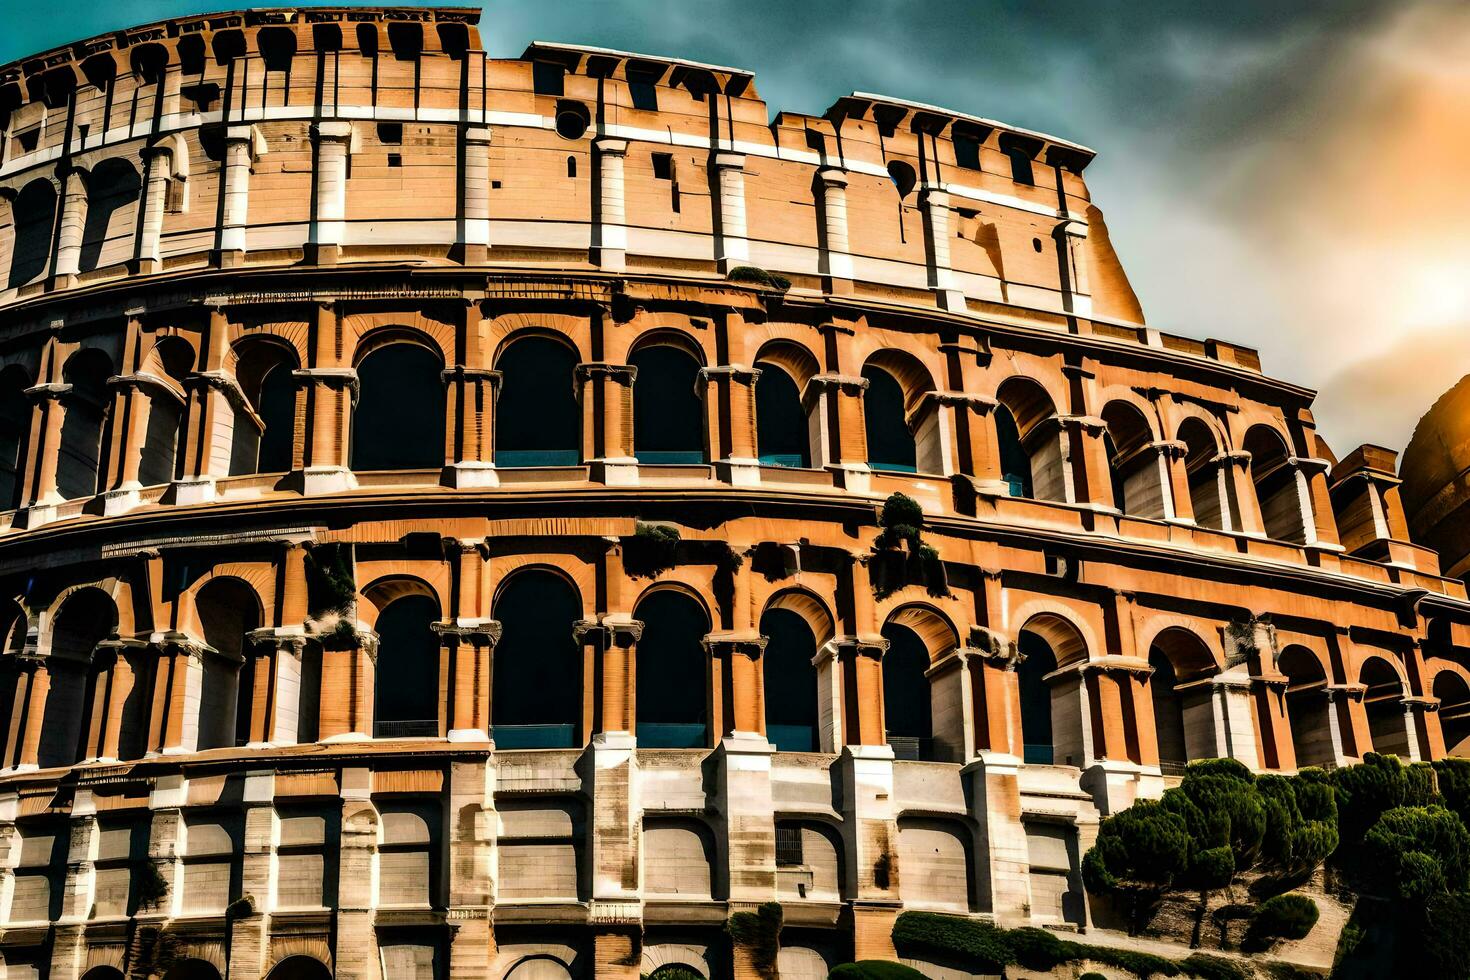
902, 555
155, 951
151, 888
331, 588
759, 277
651, 550
759, 932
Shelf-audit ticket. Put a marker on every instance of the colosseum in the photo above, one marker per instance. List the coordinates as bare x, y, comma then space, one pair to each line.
452, 529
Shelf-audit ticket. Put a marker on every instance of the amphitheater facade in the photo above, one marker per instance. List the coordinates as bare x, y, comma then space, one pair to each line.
432, 552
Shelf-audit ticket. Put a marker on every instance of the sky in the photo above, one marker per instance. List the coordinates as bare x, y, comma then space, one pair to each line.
1290, 176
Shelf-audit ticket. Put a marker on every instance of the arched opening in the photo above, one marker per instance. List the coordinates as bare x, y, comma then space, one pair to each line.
1307, 707
813, 847
406, 685
86, 618
1051, 704
34, 214
1454, 712
1179, 687
790, 681
1138, 486
113, 189
537, 698
1028, 442
541, 968
192, 969
782, 436
1276, 485
537, 415
934, 862
890, 443
1384, 703
228, 610
907, 708
668, 412
266, 374
672, 672
399, 420
1201, 451
300, 968
161, 455
15, 428
86, 409
103, 973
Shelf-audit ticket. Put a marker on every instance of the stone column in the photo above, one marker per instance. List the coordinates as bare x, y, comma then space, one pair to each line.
1115, 691
275, 703
1085, 461
73, 225
242, 145
741, 695
331, 392
333, 145
870, 836
609, 231
356, 951
468, 649
1174, 479
614, 643
1268, 693
934, 200
177, 683
472, 395
475, 236
133, 405
348, 673
861, 664
606, 395
731, 389
952, 689
836, 401
217, 406
1319, 524
40, 495
731, 247
835, 260
1071, 240
1238, 490
32, 684
115, 682
157, 169
1426, 735
249, 939
472, 856
68, 942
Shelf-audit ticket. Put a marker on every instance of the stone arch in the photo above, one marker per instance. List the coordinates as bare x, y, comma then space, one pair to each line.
88, 406
114, 191
815, 844
299, 967
539, 967
668, 402
917, 636
574, 568
1275, 480
193, 968
229, 609
900, 434
789, 676
1027, 441
1053, 724
1133, 463
1183, 702
1452, 688
662, 959
15, 427
105, 971
1212, 507
1383, 703
810, 607
786, 433
34, 219
401, 402
1307, 706
264, 438
165, 366
365, 333
538, 417
672, 701
406, 695
679, 857
83, 619
536, 697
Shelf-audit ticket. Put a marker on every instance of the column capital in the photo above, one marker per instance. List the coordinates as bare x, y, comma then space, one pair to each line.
735, 372
612, 632
977, 403
1233, 457
748, 644
622, 373
332, 131
49, 390
725, 160
1169, 448
610, 147
332, 377
845, 383
293, 641
477, 134
347, 636
477, 632
1309, 464
461, 373
832, 176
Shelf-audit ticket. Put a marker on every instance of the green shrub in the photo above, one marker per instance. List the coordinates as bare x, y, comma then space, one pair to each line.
1138, 854
758, 276
874, 970
1365, 792
1282, 917
330, 584
1037, 949
1092, 975
1140, 964
651, 551
1443, 941
1453, 778
1226, 813
982, 946
1415, 853
1208, 967
760, 932
674, 972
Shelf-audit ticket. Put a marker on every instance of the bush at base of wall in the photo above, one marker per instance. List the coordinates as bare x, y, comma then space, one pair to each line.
874, 970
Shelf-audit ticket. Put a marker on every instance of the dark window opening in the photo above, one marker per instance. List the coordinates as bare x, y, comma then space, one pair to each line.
1036, 733
15, 425
1021, 171
788, 846
781, 424
395, 160
399, 420
203, 95
150, 62
406, 692
967, 152
79, 467
903, 177
673, 709
572, 120
33, 213
326, 37
548, 78
790, 681
191, 54
277, 47
571, 166
29, 139
890, 443
644, 93
406, 40
454, 41
663, 166
390, 134
668, 414
536, 702
538, 420
367, 40
228, 45
906, 702
1015, 464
